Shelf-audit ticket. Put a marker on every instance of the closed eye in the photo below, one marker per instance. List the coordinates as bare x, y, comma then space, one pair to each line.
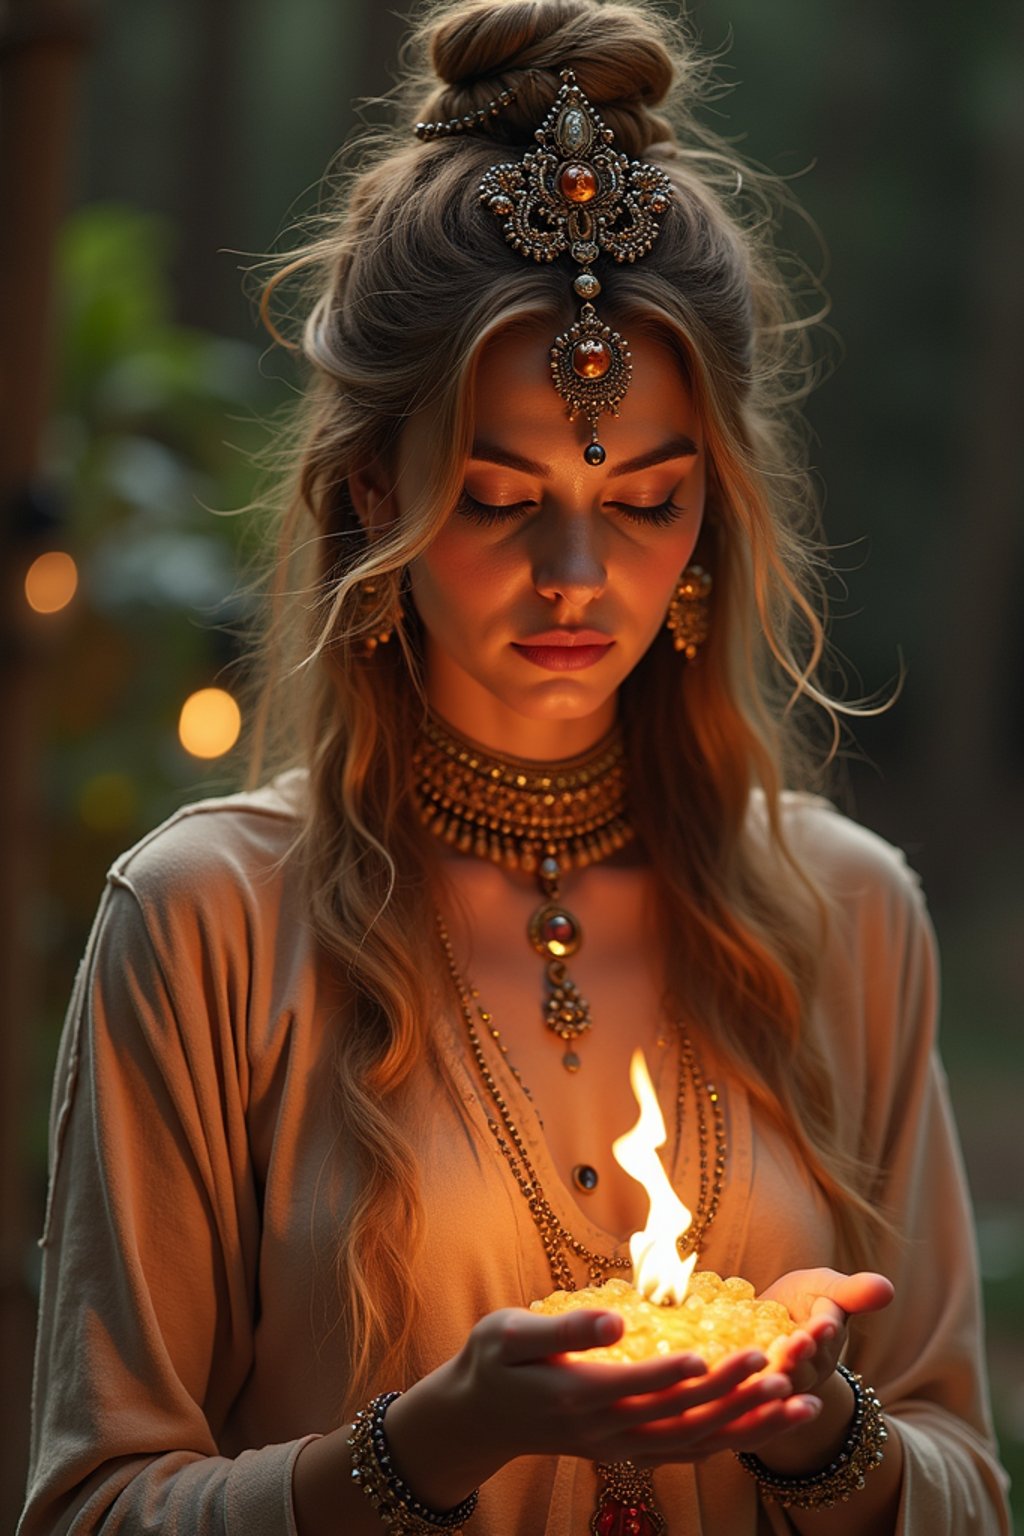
658, 516
488, 514
661, 515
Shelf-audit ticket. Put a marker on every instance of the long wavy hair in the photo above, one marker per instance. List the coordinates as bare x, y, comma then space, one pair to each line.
403, 283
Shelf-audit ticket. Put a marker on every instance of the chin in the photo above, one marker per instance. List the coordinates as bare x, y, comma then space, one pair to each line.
562, 700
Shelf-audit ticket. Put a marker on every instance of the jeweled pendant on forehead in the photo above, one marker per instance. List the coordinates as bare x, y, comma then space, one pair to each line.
591, 358
578, 182
574, 133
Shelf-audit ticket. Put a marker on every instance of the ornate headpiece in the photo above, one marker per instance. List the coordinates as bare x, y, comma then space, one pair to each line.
576, 193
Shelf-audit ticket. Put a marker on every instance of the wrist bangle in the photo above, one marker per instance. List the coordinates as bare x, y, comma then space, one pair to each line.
861, 1452
396, 1504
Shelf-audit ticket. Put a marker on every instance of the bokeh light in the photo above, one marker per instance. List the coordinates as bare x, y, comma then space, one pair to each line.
210, 723
51, 581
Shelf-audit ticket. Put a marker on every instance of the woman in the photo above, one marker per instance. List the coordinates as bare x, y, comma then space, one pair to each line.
347, 1053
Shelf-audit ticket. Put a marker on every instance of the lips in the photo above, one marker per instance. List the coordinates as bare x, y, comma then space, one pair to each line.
567, 637
565, 650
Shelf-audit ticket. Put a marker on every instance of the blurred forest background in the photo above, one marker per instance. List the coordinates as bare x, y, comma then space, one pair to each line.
144, 144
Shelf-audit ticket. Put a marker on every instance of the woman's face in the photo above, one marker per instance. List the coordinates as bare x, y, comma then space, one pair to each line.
551, 577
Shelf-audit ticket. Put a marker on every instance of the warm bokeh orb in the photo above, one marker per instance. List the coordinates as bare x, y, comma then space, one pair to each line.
51, 581
210, 723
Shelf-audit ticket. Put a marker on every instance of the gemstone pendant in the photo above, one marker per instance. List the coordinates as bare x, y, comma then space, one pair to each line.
625, 1502
615, 1519
571, 1062
554, 932
567, 1012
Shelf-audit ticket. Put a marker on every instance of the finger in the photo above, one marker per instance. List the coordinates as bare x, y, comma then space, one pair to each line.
863, 1292
688, 1402
793, 1356
755, 1429
726, 1376
524, 1337
827, 1319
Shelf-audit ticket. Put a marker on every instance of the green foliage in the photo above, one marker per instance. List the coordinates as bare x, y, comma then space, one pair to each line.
155, 425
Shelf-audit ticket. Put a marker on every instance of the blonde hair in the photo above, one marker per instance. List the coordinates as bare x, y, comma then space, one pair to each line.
404, 283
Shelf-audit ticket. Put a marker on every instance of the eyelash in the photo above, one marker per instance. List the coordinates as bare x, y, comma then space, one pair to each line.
659, 516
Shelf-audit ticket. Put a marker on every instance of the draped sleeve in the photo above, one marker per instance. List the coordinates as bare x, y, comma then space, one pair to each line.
924, 1354
152, 1231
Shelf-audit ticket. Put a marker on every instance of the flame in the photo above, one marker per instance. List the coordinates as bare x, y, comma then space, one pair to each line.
658, 1271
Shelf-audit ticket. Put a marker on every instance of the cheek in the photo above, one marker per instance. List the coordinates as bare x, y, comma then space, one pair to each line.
455, 581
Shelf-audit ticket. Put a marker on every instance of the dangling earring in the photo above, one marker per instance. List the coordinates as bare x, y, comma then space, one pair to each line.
689, 613
369, 605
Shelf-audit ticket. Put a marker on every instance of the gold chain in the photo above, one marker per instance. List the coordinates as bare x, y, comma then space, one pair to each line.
558, 1242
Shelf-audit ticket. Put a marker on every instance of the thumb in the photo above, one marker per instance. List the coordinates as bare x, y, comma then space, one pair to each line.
864, 1291
527, 1337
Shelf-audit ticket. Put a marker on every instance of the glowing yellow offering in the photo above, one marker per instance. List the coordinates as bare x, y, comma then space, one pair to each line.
668, 1308
716, 1318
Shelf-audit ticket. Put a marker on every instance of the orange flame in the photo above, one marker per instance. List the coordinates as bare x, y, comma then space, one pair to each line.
658, 1271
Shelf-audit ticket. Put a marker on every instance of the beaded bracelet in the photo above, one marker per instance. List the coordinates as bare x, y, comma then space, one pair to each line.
396, 1504
862, 1451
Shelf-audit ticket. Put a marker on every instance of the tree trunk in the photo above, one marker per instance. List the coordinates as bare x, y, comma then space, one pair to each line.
40, 45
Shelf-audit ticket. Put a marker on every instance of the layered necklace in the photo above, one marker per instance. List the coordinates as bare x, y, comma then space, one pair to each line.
546, 819
561, 1245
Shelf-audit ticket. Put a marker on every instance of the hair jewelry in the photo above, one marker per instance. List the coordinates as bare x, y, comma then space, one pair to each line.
576, 193
466, 123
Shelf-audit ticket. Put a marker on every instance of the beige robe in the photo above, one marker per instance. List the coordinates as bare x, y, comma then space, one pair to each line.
190, 1339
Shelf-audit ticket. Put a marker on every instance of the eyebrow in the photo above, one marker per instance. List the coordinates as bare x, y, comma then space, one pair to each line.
680, 447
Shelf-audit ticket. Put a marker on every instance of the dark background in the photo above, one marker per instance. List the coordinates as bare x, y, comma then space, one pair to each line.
180, 135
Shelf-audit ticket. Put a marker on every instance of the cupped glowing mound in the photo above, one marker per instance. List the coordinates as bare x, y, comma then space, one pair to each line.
716, 1318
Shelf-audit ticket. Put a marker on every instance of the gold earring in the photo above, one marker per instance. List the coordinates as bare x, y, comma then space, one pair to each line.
689, 613
370, 609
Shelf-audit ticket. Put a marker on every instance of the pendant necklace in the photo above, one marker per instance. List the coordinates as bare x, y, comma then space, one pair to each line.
543, 818
626, 1504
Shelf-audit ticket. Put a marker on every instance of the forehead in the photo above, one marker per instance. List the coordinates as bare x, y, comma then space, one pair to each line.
515, 400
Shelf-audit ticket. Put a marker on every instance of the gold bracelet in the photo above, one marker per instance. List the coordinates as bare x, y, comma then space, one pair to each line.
396, 1504
862, 1451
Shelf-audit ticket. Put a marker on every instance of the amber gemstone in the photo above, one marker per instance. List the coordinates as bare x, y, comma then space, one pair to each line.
578, 183
591, 358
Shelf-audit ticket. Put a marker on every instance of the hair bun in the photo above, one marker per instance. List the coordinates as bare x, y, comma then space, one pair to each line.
625, 56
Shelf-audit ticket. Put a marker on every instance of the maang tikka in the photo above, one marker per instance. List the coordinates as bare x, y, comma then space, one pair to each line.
576, 193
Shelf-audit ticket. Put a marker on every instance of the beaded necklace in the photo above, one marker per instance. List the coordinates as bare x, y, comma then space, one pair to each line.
559, 1243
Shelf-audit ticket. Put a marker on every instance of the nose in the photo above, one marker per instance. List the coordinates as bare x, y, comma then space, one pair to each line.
568, 561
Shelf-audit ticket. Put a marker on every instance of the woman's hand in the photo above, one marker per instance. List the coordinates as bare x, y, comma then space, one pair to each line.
519, 1387
821, 1302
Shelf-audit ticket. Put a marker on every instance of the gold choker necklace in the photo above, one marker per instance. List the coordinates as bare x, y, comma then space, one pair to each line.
543, 818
